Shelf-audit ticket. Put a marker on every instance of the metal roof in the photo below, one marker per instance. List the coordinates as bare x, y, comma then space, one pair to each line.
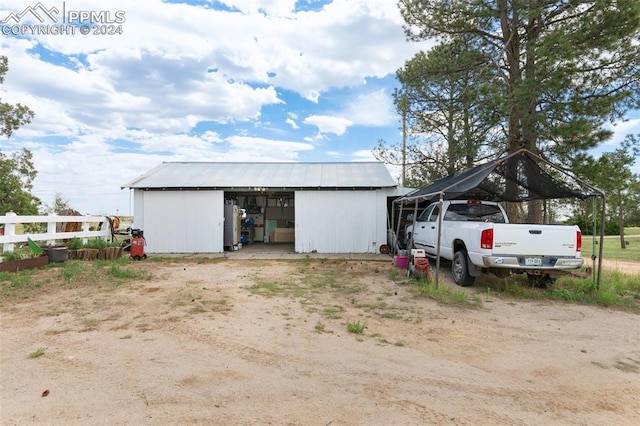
185, 175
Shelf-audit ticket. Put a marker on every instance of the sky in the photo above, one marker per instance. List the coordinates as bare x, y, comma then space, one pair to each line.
233, 80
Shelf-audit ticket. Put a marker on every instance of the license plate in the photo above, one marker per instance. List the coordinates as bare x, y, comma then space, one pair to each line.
532, 261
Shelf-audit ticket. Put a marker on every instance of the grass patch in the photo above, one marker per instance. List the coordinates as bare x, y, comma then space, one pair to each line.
444, 294
68, 275
333, 312
20, 284
321, 275
310, 278
356, 327
322, 281
126, 274
78, 271
265, 288
393, 274
617, 290
37, 353
12, 255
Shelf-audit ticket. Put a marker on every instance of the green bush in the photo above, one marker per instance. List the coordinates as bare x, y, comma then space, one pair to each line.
96, 244
75, 244
8, 256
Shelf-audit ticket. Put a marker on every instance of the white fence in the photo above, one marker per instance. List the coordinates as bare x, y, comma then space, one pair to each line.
10, 220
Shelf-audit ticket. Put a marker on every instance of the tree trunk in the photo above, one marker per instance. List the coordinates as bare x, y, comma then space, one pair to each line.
623, 243
534, 213
514, 76
529, 131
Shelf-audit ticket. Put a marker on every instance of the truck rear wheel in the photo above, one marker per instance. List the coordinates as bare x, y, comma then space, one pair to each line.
460, 269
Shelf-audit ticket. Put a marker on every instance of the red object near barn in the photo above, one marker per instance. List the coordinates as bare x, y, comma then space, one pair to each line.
137, 244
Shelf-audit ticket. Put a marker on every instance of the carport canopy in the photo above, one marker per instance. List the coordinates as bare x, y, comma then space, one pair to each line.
490, 182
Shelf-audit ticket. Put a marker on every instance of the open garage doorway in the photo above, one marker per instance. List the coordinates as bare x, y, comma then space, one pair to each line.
267, 220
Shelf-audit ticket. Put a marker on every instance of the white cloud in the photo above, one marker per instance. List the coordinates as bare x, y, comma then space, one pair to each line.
363, 155
622, 129
292, 123
371, 109
260, 149
329, 124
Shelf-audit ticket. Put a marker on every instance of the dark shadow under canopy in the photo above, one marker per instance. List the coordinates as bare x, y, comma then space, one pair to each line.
520, 176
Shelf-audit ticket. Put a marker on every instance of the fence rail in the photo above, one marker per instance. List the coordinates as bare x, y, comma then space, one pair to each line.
8, 236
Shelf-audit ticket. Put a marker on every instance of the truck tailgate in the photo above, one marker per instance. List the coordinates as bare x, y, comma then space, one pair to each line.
534, 240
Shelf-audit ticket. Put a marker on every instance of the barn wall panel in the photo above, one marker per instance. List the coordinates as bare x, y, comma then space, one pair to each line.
340, 221
138, 209
184, 221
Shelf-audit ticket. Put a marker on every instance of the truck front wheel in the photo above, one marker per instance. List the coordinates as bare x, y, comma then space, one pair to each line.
460, 269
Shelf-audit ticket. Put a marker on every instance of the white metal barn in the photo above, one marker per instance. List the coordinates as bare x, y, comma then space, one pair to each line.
319, 207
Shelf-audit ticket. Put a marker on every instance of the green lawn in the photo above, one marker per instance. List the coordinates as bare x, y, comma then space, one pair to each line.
632, 231
612, 248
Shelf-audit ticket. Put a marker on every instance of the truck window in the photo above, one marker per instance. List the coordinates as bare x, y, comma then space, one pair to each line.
424, 216
434, 214
453, 216
490, 213
474, 213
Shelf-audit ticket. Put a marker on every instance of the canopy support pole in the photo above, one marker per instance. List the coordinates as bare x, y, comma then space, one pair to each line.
397, 231
602, 215
440, 202
410, 242
593, 244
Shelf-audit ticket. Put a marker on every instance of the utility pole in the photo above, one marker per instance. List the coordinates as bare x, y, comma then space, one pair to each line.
404, 139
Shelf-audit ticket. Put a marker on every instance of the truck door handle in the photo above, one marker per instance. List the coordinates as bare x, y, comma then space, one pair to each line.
535, 231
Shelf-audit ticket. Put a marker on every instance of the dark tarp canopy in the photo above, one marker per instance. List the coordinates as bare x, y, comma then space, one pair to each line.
519, 176
532, 178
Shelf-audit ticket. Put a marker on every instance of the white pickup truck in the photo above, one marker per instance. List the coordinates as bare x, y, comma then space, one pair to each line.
477, 237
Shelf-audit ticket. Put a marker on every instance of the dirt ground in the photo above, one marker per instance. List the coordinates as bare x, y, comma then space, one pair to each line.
244, 342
